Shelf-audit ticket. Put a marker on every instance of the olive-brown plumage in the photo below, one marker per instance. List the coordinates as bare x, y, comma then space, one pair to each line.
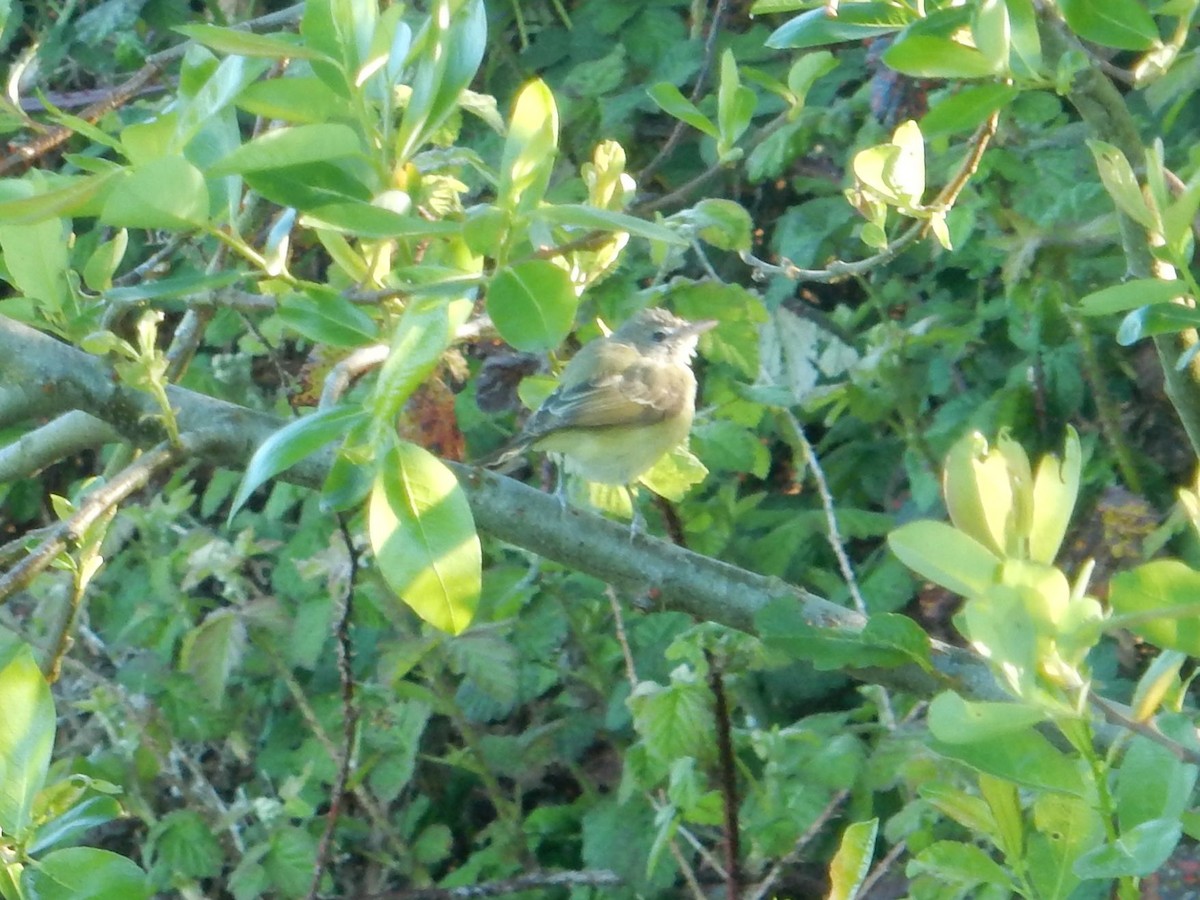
623, 401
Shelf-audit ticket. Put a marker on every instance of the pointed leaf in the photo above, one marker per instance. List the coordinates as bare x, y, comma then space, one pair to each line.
945, 556
424, 537
292, 443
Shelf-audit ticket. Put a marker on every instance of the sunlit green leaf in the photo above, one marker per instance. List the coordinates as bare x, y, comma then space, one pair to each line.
1124, 24
26, 735
424, 537
945, 556
532, 304
852, 862
86, 873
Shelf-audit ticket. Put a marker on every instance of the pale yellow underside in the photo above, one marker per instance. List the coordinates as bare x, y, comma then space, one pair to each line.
617, 454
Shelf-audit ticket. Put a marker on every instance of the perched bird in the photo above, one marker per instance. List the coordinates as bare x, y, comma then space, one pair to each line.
622, 403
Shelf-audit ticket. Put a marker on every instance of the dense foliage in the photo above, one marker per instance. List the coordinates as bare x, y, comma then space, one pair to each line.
275, 276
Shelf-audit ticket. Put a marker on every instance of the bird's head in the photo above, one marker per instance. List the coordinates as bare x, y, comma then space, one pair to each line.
658, 333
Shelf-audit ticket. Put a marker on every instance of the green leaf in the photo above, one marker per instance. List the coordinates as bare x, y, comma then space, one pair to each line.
945, 556
1164, 318
100, 267
966, 110
893, 631
247, 43
930, 48
724, 224
449, 57
805, 71
1065, 828
1138, 853
289, 861
675, 474
1122, 185
309, 185
186, 285
303, 99
366, 220
853, 22
292, 146
852, 862
185, 844
954, 720
991, 33
735, 105
212, 650
1055, 490
26, 736
593, 217
293, 442
1131, 295
1124, 24
783, 628
532, 304
197, 113
74, 823
529, 150
1159, 587
1153, 783
36, 262
675, 720
62, 201
328, 318
895, 172
426, 330
1023, 757
962, 865
167, 193
85, 873
673, 103
1026, 42
424, 537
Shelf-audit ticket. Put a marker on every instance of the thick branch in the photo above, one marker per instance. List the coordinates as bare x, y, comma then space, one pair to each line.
678, 579
57, 439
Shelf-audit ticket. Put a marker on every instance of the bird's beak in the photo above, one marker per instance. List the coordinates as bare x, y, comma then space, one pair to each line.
696, 327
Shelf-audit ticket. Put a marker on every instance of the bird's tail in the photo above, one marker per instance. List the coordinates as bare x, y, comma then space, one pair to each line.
505, 458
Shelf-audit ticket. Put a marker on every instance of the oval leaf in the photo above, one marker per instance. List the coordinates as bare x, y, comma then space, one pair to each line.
532, 305
424, 537
1124, 24
1131, 295
945, 556
26, 738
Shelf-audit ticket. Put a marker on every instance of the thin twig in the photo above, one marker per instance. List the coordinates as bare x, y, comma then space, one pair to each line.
96, 504
685, 189
25, 155
944, 200
345, 660
881, 868
730, 826
1120, 715
765, 886
710, 46
376, 813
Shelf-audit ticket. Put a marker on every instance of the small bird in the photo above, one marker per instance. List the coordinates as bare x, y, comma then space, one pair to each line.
622, 403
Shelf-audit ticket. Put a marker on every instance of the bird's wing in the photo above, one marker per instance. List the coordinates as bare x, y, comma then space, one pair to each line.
642, 392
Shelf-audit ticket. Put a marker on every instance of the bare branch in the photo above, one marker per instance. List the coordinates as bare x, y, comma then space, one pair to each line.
59, 438
96, 504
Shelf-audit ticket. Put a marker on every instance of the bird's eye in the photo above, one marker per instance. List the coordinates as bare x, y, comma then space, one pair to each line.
659, 336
